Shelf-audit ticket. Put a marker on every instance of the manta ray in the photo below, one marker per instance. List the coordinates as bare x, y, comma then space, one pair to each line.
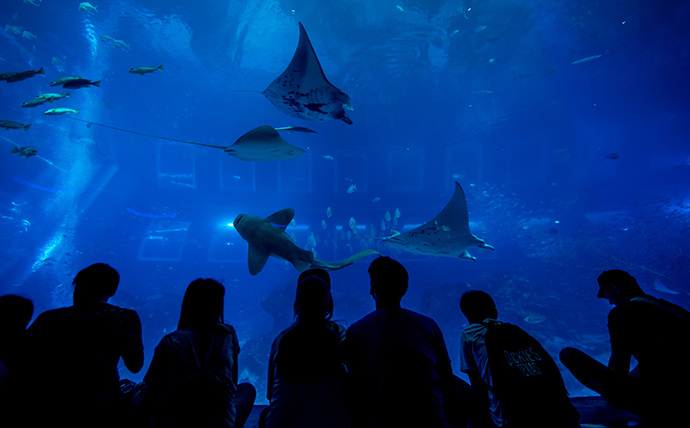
261, 144
303, 91
447, 235
266, 237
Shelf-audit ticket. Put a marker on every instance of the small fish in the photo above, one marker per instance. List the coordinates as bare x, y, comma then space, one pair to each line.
80, 83
400, 8
534, 318
613, 156
10, 124
329, 213
589, 58
120, 44
397, 213
35, 102
236, 177
353, 223
87, 7
376, 199
63, 80
29, 36
60, 110
106, 38
479, 29
311, 241
387, 216
27, 151
327, 157
300, 129
13, 29
33, 2
50, 97
323, 224
22, 75
144, 70
352, 189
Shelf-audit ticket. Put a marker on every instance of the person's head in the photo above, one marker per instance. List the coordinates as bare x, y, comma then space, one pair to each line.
313, 300
95, 283
618, 286
477, 306
388, 281
15, 312
202, 305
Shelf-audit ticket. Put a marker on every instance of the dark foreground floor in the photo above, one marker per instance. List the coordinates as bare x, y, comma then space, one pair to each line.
596, 413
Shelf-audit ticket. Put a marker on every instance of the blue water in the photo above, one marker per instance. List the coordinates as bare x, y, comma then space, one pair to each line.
482, 92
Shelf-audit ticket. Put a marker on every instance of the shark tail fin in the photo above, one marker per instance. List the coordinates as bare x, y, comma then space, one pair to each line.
343, 263
15, 150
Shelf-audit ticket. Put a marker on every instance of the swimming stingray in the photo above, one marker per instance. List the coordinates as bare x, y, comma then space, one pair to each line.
266, 237
447, 235
257, 145
303, 91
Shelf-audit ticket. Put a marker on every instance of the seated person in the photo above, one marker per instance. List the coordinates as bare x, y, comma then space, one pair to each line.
15, 314
401, 372
517, 381
75, 352
653, 331
192, 379
305, 369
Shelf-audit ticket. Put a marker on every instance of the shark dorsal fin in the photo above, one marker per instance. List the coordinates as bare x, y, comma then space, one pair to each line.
282, 218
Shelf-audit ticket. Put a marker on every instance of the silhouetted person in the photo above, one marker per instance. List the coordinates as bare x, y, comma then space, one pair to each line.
76, 349
15, 314
402, 375
192, 379
305, 369
515, 380
653, 331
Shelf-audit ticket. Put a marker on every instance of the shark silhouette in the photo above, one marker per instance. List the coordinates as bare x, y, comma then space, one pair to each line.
266, 237
447, 235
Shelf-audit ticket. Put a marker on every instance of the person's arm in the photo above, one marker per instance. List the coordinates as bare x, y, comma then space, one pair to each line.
133, 349
449, 391
620, 362
271, 367
481, 392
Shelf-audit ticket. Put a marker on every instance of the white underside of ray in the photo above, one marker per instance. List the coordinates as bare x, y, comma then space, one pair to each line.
447, 235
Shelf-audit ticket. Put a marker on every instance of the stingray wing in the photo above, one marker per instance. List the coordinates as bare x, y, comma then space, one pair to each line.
263, 144
447, 235
303, 91
454, 217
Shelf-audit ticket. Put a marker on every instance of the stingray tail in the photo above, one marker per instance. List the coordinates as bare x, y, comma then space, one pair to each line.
247, 90
343, 263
